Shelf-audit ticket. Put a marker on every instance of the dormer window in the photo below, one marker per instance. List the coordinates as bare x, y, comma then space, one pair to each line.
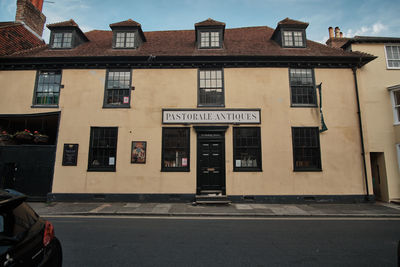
210, 34
290, 33
66, 35
293, 39
210, 39
125, 40
127, 34
62, 40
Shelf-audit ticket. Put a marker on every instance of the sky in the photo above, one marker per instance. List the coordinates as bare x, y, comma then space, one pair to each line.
353, 17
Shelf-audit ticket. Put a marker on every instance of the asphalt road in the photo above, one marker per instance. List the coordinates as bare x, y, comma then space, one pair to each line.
119, 241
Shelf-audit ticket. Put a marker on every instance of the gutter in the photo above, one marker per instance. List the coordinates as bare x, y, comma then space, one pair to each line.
367, 197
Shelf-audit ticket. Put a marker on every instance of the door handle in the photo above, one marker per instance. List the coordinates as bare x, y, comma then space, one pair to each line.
210, 169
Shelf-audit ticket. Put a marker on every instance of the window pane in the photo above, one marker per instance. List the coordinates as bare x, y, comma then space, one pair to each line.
247, 148
302, 86
288, 38
393, 56
215, 39
67, 39
120, 39
396, 97
175, 148
306, 148
298, 38
204, 39
211, 87
130, 39
102, 149
48, 88
57, 41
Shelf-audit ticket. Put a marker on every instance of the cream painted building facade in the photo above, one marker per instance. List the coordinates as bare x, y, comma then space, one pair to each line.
210, 112
380, 83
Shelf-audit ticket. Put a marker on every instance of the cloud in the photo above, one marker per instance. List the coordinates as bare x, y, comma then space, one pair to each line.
376, 29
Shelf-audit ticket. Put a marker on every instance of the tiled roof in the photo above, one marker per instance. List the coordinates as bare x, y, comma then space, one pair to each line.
288, 21
337, 42
209, 22
67, 23
126, 23
369, 39
14, 37
249, 41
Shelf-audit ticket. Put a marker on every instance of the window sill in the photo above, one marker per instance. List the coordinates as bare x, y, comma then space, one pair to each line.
116, 106
175, 170
100, 170
307, 170
210, 106
247, 170
304, 106
44, 106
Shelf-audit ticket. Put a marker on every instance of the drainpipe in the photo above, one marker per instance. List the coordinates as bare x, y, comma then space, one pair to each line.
361, 132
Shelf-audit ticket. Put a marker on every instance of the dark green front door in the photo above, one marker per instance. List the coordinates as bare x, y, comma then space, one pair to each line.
211, 162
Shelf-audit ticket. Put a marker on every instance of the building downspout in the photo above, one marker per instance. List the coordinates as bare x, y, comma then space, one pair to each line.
367, 198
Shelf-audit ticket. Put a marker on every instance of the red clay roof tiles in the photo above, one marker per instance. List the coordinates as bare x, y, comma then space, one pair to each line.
14, 37
250, 41
67, 23
126, 23
209, 22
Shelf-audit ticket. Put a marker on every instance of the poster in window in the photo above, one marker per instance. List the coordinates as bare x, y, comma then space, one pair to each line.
138, 154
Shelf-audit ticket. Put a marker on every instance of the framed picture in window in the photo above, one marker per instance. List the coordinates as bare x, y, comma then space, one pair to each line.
138, 154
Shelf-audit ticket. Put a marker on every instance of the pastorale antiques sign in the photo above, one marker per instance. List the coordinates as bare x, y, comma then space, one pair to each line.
192, 116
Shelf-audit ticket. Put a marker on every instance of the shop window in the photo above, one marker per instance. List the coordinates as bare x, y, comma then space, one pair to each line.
61, 40
302, 87
103, 148
293, 39
211, 88
47, 91
117, 89
175, 149
392, 56
306, 149
247, 149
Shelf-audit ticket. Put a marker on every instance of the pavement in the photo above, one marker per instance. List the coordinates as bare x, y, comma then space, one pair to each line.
357, 210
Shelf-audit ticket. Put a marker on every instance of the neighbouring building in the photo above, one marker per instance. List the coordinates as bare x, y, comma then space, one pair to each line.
178, 115
26, 31
379, 83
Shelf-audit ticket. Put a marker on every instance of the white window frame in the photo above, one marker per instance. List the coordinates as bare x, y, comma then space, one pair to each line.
395, 107
398, 155
387, 59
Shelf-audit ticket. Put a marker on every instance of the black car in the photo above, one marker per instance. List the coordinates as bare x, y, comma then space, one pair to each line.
25, 238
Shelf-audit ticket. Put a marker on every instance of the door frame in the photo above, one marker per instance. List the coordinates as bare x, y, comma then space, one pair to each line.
211, 129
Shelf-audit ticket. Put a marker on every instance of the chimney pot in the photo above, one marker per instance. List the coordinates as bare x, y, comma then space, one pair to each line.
38, 4
330, 30
337, 32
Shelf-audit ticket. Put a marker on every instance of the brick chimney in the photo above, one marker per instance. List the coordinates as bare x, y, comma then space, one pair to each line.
336, 40
30, 13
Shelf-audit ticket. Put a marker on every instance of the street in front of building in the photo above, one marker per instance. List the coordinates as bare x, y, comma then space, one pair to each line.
141, 241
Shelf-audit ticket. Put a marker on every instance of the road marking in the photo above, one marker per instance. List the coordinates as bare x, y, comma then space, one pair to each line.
99, 208
162, 208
